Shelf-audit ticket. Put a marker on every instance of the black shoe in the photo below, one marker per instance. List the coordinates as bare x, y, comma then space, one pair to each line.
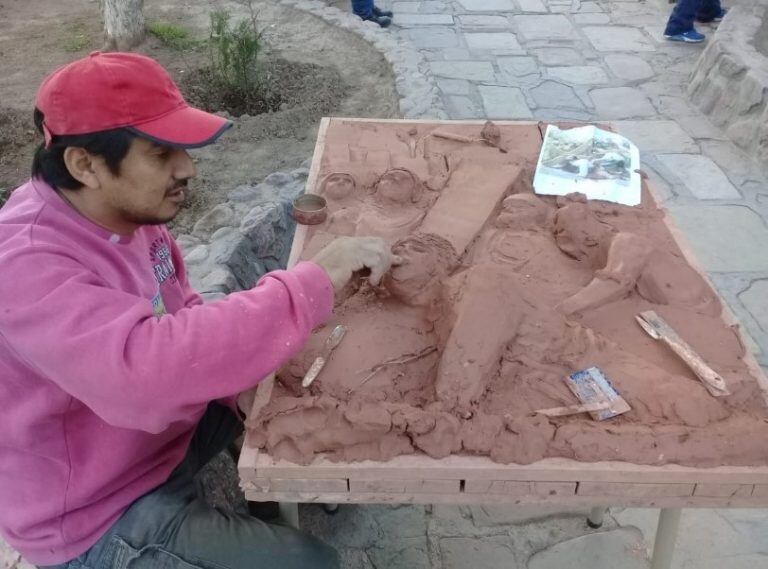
378, 12
383, 21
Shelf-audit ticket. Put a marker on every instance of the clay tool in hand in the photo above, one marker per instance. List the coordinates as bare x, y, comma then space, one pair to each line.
333, 340
597, 395
657, 328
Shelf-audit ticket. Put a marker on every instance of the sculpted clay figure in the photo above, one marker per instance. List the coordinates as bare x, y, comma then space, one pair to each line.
397, 207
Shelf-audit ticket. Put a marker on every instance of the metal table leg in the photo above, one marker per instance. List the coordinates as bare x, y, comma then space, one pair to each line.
289, 513
666, 535
595, 519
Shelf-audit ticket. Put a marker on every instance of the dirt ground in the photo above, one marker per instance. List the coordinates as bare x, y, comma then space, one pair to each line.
323, 71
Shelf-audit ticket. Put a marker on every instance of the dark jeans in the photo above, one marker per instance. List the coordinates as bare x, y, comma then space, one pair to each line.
173, 528
363, 8
686, 11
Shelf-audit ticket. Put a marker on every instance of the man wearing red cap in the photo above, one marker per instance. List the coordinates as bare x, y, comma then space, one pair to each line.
116, 383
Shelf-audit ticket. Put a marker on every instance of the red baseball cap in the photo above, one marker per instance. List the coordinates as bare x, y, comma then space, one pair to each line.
123, 90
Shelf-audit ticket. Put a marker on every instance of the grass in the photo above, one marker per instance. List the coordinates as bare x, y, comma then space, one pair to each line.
77, 39
172, 35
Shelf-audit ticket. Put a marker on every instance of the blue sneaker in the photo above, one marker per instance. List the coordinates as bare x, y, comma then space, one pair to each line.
691, 36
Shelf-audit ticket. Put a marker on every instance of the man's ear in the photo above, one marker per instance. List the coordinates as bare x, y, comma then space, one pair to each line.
81, 166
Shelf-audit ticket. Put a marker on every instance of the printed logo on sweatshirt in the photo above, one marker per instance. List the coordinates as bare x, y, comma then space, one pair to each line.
162, 263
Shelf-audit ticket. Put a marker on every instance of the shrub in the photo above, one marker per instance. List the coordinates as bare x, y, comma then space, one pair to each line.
234, 50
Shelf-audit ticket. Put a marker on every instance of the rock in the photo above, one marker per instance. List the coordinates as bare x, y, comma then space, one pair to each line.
220, 216
220, 279
196, 255
187, 242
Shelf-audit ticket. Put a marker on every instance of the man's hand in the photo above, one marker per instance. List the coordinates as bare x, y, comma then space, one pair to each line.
345, 255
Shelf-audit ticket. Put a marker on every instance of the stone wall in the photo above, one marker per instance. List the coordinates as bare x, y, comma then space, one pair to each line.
730, 79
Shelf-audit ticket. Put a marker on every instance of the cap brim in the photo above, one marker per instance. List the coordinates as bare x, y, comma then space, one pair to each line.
186, 127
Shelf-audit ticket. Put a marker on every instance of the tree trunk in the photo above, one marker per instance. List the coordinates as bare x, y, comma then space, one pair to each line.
123, 24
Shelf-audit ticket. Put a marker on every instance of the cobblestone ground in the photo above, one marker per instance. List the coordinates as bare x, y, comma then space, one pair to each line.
584, 60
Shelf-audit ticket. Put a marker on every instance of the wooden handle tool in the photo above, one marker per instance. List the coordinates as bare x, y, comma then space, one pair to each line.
575, 409
655, 326
317, 366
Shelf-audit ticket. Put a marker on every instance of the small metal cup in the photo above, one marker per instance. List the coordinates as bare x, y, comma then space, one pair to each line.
310, 209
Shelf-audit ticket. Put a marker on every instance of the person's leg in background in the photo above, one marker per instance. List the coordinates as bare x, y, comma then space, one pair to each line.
680, 24
367, 10
172, 527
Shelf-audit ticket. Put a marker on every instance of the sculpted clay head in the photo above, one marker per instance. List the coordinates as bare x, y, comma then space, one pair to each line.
338, 186
581, 235
426, 260
397, 187
522, 211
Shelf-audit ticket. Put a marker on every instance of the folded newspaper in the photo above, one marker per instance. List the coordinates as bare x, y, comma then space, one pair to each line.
600, 164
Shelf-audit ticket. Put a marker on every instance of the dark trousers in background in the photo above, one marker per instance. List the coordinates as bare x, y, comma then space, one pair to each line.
686, 11
362, 8
173, 528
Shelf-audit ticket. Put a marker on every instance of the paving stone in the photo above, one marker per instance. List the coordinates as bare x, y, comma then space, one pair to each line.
499, 515
585, 19
400, 521
470, 70
432, 37
456, 54
657, 136
504, 102
755, 299
589, 7
629, 67
488, 5
407, 553
423, 19
617, 38
406, 7
453, 86
725, 238
634, 14
621, 103
451, 521
495, 41
700, 127
469, 21
433, 7
460, 107
623, 547
703, 178
550, 27
544, 114
551, 94
558, 56
518, 66
531, 5
579, 74
493, 552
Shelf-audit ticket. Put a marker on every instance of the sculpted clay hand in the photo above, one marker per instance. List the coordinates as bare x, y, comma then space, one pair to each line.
345, 255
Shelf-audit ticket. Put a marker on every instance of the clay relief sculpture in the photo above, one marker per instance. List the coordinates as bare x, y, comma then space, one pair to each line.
501, 293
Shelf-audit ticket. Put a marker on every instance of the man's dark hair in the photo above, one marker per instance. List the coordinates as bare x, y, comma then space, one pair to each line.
48, 163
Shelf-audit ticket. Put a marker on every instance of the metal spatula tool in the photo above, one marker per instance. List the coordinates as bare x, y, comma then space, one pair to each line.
333, 340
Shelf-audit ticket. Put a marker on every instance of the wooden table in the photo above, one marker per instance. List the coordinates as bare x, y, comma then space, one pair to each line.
418, 479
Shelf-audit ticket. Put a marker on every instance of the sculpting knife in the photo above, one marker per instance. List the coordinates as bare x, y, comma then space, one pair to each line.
333, 340
657, 328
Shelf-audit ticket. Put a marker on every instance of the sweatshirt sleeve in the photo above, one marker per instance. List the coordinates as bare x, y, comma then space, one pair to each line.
105, 347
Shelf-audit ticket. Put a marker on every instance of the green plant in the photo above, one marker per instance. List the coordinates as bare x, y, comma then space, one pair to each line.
171, 35
234, 50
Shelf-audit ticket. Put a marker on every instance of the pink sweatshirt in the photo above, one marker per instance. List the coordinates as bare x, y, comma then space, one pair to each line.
107, 361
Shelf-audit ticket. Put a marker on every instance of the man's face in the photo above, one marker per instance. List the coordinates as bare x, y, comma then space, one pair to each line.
150, 188
416, 273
